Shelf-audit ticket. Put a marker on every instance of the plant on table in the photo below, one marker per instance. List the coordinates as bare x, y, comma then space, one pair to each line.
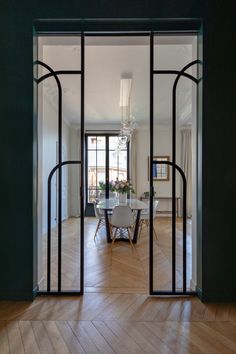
102, 186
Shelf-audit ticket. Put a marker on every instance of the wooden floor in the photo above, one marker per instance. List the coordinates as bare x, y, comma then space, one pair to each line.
117, 269
116, 315
116, 323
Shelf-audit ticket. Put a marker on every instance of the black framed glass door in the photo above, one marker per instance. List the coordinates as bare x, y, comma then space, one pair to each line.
174, 276
60, 166
104, 162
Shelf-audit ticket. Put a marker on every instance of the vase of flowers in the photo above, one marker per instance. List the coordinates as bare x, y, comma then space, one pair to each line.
122, 187
122, 197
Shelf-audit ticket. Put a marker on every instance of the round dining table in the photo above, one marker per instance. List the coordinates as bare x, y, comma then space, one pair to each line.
109, 204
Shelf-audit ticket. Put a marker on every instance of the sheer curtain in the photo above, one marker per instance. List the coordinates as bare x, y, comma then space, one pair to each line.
186, 162
133, 161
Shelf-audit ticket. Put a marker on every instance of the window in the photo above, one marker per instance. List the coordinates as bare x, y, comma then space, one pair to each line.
104, 163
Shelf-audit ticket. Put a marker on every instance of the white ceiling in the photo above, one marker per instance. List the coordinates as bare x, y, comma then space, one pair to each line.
107, 59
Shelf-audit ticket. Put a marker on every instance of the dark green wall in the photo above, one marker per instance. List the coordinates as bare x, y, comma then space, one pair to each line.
16, 133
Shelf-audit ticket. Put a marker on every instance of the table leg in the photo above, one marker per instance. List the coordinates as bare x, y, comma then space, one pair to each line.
107, 226
136, 227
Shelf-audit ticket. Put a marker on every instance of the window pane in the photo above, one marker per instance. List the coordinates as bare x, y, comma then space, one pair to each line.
101, 176
113, 155
101, 141
113, 173
101, 157
123, 160
113, 142
92, 180
92, 142
101, 167
92, 194
122, 174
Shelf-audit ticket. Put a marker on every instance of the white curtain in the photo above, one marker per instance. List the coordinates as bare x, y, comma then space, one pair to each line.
133, 161
186, 162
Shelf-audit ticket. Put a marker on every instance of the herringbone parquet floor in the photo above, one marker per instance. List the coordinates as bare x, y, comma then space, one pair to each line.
117, 269
116, 315
116, 323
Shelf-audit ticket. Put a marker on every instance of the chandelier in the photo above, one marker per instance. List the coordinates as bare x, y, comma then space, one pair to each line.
128, 123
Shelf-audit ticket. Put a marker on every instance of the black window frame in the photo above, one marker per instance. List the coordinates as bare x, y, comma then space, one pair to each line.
106, 134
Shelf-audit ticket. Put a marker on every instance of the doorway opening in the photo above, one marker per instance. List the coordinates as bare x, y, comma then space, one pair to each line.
90, 69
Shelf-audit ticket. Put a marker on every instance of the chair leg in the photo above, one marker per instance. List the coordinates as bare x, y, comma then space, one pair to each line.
130, 239
155, 233
147, 223
140, 227
115, 233
98, 226
111, 230
114, 237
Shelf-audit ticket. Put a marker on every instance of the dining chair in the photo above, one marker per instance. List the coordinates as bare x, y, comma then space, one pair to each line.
100, 216
122, 218
145, 218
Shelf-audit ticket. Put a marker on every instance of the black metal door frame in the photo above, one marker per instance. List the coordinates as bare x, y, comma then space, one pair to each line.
58, 168
179, 74
117, 27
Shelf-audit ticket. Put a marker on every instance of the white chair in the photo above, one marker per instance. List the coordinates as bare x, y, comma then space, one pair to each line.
145, 218
100, 216
122, 218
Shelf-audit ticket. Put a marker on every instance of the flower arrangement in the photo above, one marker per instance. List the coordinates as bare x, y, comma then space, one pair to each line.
121, 186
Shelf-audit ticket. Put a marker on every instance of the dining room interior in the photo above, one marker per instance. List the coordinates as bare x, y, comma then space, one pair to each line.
116, 148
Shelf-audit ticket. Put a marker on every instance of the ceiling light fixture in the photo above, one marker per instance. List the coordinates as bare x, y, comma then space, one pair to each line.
128, 123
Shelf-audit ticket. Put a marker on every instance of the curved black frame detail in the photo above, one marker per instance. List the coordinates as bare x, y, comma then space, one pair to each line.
174, 167
58, 167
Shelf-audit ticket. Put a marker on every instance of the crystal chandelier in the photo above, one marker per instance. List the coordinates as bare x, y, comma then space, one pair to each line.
128, 123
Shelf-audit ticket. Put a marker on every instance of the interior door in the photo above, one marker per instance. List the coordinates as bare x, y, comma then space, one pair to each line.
59, 80
171, 266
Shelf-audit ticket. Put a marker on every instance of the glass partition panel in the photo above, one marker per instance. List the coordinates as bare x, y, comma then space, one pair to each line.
173, 142
172, 52
47, 159
60, 52
71, 235
63, 55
